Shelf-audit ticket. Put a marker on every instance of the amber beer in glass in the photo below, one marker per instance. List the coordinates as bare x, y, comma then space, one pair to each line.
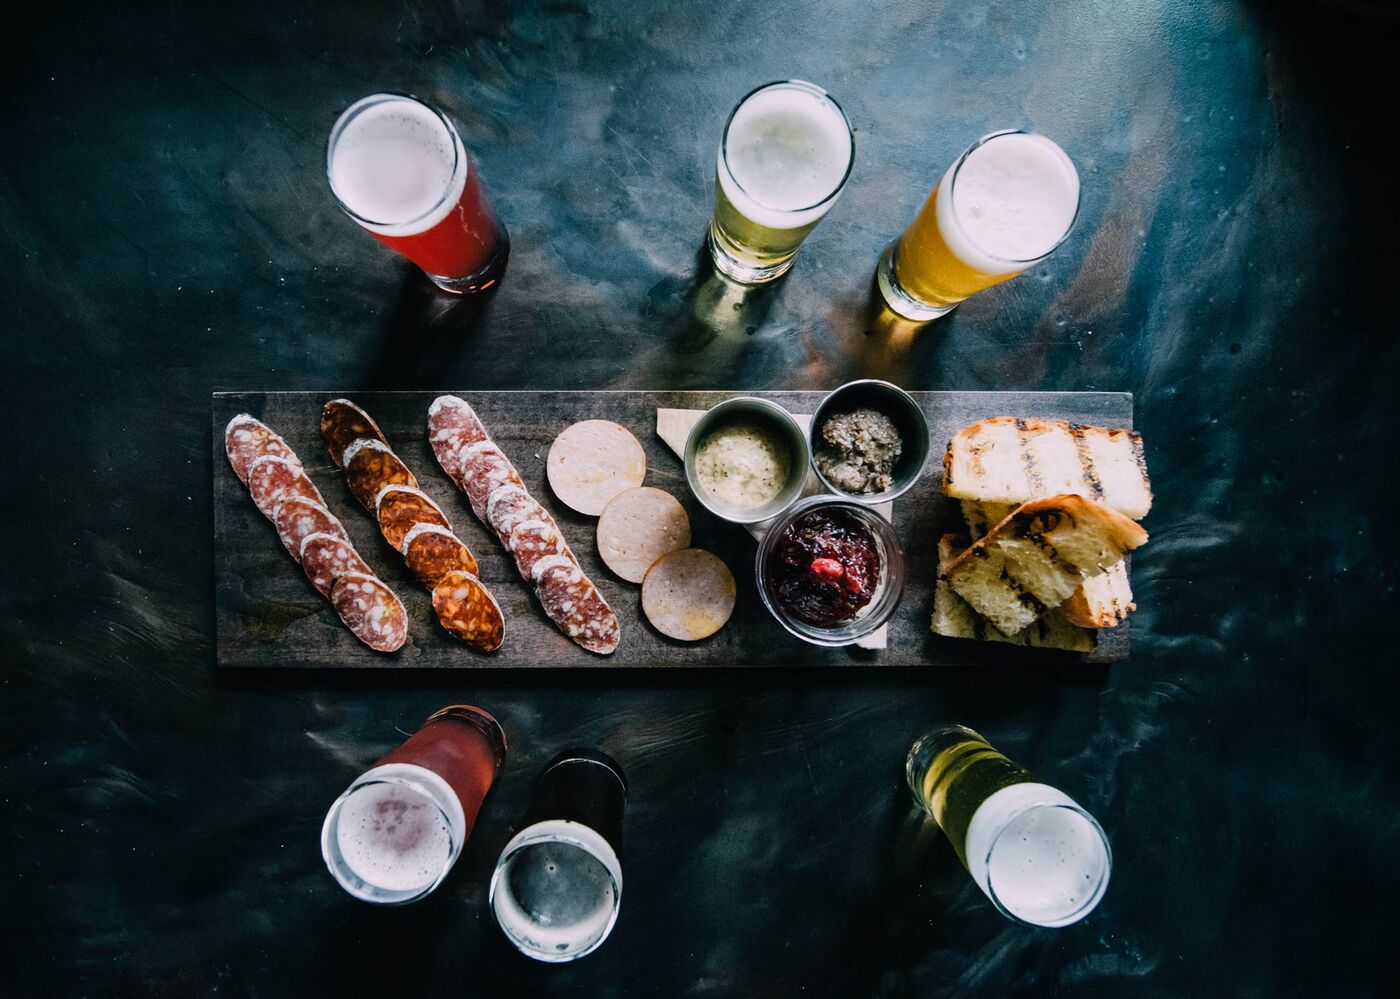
1036, 854
1006, 204
784, 157
397, 830
398, 168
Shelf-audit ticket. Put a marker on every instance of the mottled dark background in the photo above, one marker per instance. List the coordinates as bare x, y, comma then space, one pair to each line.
168, 232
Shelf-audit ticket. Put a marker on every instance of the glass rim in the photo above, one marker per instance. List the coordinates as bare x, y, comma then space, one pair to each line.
816, 91
955, 170
1099, 889
363, 104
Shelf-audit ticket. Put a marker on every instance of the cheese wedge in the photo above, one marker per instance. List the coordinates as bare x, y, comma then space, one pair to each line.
1036, 558
953, 617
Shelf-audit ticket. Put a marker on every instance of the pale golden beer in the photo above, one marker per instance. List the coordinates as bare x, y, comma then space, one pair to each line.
1036, 854
1006, 203
784, 157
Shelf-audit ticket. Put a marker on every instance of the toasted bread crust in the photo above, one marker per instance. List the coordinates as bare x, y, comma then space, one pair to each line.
1044, 516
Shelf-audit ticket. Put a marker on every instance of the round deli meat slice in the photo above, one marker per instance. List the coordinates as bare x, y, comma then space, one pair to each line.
400, 507
575, 606
591, 462
431, 552
689, 594
370, 465
466, 609
273, 479
485, 468
327, 557
509, 505
371, 611
246, 439
638, 527
532, 540
452, 427
297, 517
343, 423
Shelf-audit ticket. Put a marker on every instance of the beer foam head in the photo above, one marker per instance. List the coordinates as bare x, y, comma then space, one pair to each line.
395, 164
1038, 855
786, 151
1012, 199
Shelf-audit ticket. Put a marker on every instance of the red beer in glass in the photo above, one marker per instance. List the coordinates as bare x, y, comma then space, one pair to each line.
397, 167
395, 833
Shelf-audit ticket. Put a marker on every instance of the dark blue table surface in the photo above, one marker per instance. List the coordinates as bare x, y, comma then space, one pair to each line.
169, 233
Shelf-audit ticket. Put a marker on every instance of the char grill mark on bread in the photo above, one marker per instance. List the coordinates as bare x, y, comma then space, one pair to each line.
1038, 557
1011, 460
954, 617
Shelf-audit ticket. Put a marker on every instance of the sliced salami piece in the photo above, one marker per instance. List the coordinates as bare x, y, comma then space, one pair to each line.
273, 479
370, 466
371, 611
400, 507
532, 540
576, 607
343, 423
431, 552
469, 612
327, 557
485, 468
247, 439
297, 516
452, 427
509, 505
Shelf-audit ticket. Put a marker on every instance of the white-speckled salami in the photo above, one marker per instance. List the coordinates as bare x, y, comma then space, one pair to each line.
467, 610
296, 517
343, 423
509, 505
371, 611
575, 606
485, 468
247, 439
452, 427
370, 465
400, 507
532, 540
431, 552
272, 479
327, 557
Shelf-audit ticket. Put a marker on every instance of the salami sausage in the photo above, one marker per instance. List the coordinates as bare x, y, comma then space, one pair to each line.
467, 610
371, 611
343, 423
532, 540
370, 466
432, 552
247, 439
452, 427
273, 479
297, 516
400, 507
327, 557
509, 505
485, 469
575, 606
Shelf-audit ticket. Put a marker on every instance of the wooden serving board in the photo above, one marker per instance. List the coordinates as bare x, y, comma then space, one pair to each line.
269, 615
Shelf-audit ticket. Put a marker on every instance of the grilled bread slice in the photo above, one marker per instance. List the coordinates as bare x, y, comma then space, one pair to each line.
982, 517
1036, 558
1102, 601
955, 618
1012, 461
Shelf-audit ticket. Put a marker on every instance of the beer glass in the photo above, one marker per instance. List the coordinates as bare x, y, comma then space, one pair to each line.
784, 157
397, 830
1005, 205
398, 168
557, 888
1036, 854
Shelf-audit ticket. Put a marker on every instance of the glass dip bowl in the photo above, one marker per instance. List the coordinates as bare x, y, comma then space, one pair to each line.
888, 589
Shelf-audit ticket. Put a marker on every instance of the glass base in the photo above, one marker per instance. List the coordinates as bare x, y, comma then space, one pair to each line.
900, 301
484, 276
740, 270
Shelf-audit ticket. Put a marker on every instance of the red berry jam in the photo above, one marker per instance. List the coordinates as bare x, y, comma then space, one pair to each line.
824, 567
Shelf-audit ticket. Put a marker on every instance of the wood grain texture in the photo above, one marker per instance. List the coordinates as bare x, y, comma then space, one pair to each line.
268, 615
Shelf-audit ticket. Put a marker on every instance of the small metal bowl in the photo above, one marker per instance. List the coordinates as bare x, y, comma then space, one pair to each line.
899, 406
742, 409
888, 591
